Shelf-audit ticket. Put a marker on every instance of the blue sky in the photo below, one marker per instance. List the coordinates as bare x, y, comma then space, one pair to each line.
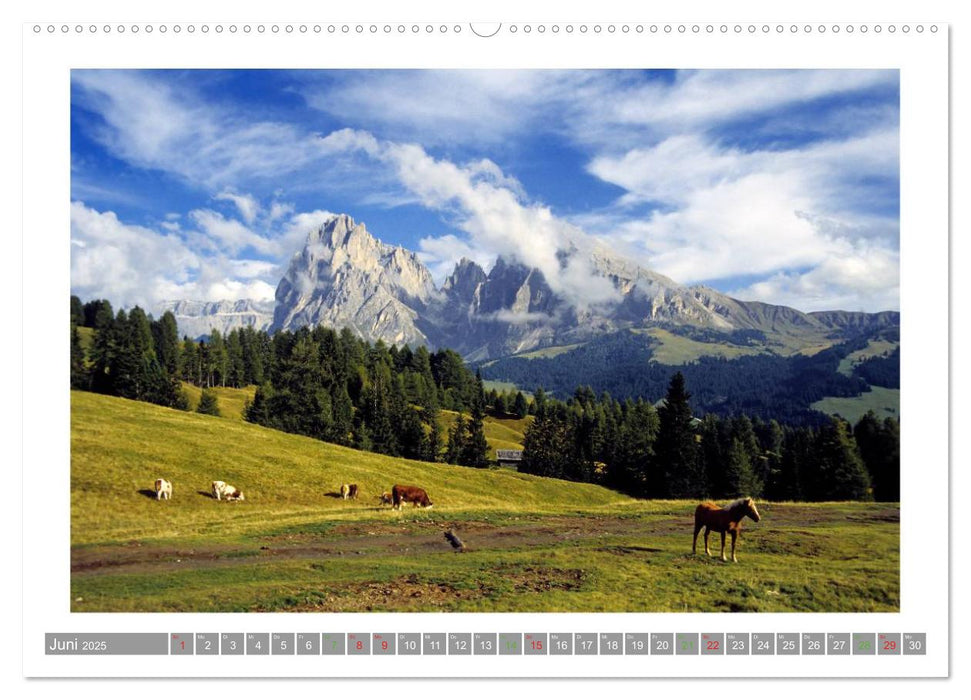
781, 186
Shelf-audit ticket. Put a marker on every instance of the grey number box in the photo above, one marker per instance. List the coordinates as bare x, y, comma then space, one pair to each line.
409, 643
864, 643
257, 643
813, 643
737, 643
358, 643
763, 643
713, 644
382, 644
838, 644
433, 644
207, 643
231, 644
637, 643
686, 643
787, 643
510, 643
181, 644
459, 643
888, 643
308, 643
561, 643
485, 643
281, 643
585, 643
915, 643
611, 643
662, 643
535, 644
333, 643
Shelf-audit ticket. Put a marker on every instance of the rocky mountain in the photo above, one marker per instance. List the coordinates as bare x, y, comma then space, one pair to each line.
198, 318
344, 276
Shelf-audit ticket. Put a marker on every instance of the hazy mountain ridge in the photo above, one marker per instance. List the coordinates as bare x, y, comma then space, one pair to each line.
199, 318
344, 276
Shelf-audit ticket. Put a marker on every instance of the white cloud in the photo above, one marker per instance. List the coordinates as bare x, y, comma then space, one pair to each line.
246, 204
125, 264
148, 123
130, 264
486, 205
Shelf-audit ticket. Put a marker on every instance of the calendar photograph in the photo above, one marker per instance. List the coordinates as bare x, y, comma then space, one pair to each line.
485, 341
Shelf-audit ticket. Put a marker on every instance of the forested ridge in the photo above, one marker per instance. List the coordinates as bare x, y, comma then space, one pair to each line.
333, 386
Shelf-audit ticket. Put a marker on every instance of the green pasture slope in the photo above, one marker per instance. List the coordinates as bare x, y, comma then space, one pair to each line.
532, 544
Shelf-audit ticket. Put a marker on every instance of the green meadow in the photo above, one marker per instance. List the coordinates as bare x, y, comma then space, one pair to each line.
531, 544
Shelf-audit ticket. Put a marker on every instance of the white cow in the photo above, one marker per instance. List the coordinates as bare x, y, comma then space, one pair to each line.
223, 491
163, 489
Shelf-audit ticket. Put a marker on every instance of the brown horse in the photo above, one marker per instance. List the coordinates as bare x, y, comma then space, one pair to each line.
727, 519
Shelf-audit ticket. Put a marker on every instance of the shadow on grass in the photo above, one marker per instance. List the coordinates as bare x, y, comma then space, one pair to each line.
207, 494
147, 493
332, 494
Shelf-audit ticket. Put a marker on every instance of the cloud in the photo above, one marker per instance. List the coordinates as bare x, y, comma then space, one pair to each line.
152, 124
130, 264
246, 204
487, 206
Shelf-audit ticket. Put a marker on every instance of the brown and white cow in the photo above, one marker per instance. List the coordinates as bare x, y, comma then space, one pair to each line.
163, 489
409, 494
222, 491
385, 499
345, 491
353, 493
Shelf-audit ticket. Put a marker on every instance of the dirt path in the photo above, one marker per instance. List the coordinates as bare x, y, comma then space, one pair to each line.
364, 539
377, 539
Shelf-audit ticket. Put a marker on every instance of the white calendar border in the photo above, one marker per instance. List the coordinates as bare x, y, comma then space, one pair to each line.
924, 544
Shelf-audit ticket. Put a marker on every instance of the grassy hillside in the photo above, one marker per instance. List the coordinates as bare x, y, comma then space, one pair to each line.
501, 433
532, 543
874, 348
231, 401
885, 403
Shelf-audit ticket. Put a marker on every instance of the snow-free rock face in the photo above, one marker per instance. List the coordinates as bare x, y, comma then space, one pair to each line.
344, 276
198, 318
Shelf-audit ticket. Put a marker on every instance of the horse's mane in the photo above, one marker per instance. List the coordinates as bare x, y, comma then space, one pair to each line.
735, 503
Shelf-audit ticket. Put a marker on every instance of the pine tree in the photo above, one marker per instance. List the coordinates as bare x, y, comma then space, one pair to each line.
843, 477
77, 311
879, 443
456, 441
208, 403
79, 373
520, 406
679, 474
165, 334
475, 451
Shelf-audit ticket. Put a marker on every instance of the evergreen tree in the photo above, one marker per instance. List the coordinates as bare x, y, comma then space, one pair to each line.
879, 443
740, 475
475, 451
679, 474
165, 334
520, 406
456, 441
79, 373
77, 311
208, 403
545, 446
843, 477
342, 427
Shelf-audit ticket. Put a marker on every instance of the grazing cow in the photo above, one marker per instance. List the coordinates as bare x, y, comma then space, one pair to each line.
727, 519
345, 491
353, 491
163, 489
222, 491
409, 494
385, 498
